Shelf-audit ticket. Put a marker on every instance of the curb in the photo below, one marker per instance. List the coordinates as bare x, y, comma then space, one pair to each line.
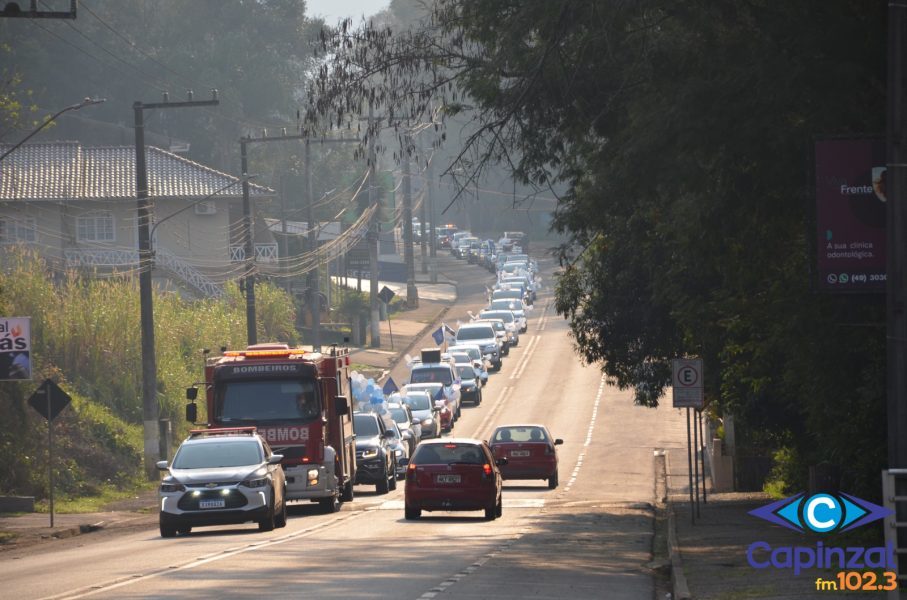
678, 578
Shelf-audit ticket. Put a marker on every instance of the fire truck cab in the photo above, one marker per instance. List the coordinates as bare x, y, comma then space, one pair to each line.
298, 400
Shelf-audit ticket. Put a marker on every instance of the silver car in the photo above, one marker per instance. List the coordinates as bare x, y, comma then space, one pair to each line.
422, 407
220, 477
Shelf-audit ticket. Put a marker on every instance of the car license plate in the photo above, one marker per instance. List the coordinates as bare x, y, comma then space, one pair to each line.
211, 504
448, 479
519, 453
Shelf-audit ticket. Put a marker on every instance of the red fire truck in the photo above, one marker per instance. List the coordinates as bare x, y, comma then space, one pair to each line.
299, 402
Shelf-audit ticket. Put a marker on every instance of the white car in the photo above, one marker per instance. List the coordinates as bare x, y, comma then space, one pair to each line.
517, 307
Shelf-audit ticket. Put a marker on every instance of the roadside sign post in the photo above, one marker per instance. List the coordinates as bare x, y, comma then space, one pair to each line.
49, 400
687, 393
703, 446
386, 295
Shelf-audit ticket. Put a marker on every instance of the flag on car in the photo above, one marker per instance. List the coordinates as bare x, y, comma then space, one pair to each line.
449, 330
438, 336
390, 386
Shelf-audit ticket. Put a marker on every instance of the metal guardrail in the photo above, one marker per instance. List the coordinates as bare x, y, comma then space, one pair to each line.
892, 525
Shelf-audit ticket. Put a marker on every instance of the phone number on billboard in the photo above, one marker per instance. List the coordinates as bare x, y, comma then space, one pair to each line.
855, 278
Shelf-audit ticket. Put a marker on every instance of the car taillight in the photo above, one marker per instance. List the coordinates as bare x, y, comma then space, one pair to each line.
411, 473
486, 468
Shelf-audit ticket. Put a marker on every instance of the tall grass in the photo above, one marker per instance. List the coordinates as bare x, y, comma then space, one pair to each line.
86, 336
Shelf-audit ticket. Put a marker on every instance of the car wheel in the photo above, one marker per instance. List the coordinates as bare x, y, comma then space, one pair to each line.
168, 531
491, 512
383, 486
552, 481
269, 522
347, 495
412, 514
499, 509
392, 484
329, 505
184, 530
281, 520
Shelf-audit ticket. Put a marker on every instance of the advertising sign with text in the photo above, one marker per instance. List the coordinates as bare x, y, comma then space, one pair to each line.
850, 215
15, 348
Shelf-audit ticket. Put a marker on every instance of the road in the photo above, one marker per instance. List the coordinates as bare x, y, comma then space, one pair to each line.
589, 538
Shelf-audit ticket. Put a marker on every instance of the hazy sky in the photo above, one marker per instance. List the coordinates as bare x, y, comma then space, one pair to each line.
334, 10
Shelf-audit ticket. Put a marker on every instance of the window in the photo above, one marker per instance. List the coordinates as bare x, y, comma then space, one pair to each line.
18, 230
95, 227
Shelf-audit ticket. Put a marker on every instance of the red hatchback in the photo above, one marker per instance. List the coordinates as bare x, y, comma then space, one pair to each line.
529, 450
453, 474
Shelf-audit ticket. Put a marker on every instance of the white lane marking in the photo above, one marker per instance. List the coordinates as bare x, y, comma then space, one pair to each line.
505, 395
130, 579
527, 356
543, 318
507, 503
444, 585
582, 454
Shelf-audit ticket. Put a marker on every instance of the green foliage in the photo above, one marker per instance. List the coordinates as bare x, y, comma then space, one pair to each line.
86, 335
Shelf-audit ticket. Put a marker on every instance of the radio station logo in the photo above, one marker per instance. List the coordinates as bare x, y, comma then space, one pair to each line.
821, 513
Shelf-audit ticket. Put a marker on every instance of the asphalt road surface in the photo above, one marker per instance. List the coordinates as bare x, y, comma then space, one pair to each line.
589, 538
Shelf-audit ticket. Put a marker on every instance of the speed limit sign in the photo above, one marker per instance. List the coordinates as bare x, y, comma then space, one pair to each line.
687, 382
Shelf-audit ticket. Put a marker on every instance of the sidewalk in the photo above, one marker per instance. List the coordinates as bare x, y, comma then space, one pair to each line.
713, 550
406, 328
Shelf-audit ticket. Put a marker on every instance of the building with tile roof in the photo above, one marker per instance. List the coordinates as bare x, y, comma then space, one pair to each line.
77, 206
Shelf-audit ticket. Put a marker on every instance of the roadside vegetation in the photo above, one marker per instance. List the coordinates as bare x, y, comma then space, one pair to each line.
86, 337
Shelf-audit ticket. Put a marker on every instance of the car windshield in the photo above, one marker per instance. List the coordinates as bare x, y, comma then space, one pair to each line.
506, 304
466, 372
211, 455
475, 333
399, 415
431, 375
418, 401
473, 353
365, 425
504, 315
520, 434
267, 400
445, 454
496, 325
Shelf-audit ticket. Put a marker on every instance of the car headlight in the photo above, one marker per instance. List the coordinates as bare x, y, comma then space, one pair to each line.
426, 422
173, 487
370, 453
255, 483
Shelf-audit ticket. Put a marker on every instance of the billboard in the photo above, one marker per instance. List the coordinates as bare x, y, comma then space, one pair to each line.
850, 215
15, 348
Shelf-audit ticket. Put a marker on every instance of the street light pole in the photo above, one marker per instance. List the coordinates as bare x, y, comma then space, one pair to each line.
150, 408
51, 119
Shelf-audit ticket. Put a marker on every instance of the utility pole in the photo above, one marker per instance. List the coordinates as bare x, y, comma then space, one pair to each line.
412, 294
313, 277
150, 408
433, 233
248, 247
896, 285
375, 312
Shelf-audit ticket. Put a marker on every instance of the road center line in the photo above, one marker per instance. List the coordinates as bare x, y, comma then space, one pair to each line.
582, 454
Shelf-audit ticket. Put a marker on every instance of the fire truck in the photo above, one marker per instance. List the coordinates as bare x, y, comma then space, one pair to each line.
299, 402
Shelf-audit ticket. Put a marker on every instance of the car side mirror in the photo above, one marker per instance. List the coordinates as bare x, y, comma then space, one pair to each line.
191, 393
191, 412
388, 434
501, 461
558, 442
161, 465
416, 421
275, 459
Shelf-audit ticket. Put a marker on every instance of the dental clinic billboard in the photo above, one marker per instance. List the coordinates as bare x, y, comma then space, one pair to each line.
850, 215
15, 348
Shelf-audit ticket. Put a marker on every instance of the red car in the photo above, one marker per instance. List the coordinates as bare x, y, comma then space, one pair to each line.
530, 452
453, 474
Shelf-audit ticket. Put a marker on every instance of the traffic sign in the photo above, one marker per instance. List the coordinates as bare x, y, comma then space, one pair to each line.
58, 400
687, 382
386, 294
